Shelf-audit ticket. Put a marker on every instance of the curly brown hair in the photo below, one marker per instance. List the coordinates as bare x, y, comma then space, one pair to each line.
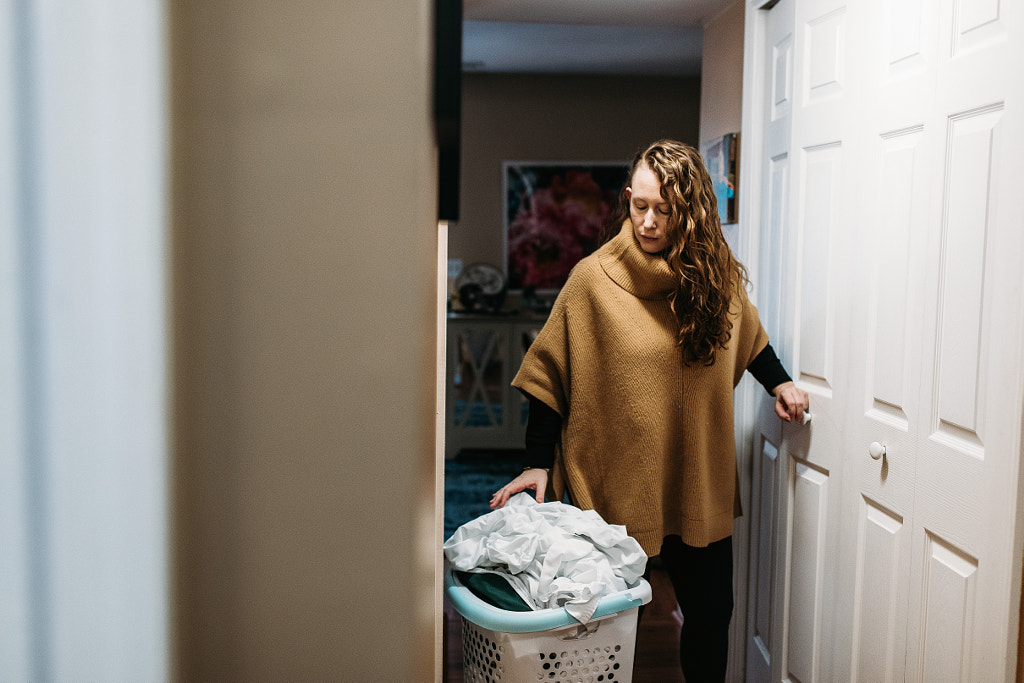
697, 252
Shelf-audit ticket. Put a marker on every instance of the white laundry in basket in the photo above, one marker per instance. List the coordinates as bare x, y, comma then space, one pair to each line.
552, 554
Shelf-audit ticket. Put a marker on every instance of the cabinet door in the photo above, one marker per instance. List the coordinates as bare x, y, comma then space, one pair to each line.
484, 411
478, 360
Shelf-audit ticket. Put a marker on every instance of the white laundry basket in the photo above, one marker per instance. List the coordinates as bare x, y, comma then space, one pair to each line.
501, 646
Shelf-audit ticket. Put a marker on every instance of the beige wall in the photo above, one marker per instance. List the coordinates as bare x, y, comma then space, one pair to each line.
304, 276
555, 118
721, 96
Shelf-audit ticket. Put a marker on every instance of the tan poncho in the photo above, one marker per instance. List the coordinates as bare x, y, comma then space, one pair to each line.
647, 440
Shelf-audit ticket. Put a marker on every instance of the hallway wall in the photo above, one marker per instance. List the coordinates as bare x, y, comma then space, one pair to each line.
540, 117
721, 93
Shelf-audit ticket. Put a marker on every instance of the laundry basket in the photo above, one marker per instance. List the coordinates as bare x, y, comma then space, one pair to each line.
501, 646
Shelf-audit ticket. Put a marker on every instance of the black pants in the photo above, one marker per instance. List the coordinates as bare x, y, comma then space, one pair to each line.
702, 580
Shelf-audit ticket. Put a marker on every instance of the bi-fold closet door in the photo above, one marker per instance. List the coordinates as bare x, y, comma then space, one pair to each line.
885, 542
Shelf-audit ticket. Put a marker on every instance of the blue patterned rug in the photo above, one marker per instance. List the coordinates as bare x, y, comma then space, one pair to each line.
471, 480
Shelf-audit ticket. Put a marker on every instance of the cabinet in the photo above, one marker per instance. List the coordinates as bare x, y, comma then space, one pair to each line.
483, 410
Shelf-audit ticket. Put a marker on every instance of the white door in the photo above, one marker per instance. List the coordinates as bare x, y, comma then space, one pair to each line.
891, 285
928, 556
796, 468
814, 331
772, 89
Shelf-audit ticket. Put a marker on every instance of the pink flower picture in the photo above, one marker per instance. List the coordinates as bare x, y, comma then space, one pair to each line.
554, 217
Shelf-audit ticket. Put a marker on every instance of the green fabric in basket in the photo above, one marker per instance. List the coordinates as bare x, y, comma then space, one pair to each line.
494, 590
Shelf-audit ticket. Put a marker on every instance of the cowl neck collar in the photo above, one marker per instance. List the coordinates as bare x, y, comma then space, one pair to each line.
647, 276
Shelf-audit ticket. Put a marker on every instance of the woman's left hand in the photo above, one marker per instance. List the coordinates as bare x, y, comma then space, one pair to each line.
791, 402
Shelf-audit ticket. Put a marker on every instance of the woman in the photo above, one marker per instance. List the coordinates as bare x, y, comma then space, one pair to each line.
631, 389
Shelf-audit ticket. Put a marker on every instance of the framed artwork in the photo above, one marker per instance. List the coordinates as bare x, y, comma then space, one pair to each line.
554, 213
721, 156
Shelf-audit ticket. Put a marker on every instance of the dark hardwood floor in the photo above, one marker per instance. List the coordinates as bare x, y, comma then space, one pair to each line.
657, 647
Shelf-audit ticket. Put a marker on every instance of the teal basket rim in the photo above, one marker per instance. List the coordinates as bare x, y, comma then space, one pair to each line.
496, 619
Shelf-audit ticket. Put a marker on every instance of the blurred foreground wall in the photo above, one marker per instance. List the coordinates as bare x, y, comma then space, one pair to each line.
304, 266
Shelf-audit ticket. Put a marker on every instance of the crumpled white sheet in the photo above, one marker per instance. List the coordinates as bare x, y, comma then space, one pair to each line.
552, 554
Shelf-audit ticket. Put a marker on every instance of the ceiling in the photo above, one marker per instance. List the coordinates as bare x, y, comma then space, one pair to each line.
640, 37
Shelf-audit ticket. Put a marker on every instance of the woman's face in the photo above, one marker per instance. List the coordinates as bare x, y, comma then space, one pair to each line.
648, 210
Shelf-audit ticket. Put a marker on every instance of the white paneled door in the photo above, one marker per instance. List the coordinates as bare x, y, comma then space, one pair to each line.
891, 277
773, 89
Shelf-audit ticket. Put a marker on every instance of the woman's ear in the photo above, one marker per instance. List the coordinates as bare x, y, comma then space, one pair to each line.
629, 194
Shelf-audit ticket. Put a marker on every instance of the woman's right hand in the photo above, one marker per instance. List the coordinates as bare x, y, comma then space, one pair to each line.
534, 478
